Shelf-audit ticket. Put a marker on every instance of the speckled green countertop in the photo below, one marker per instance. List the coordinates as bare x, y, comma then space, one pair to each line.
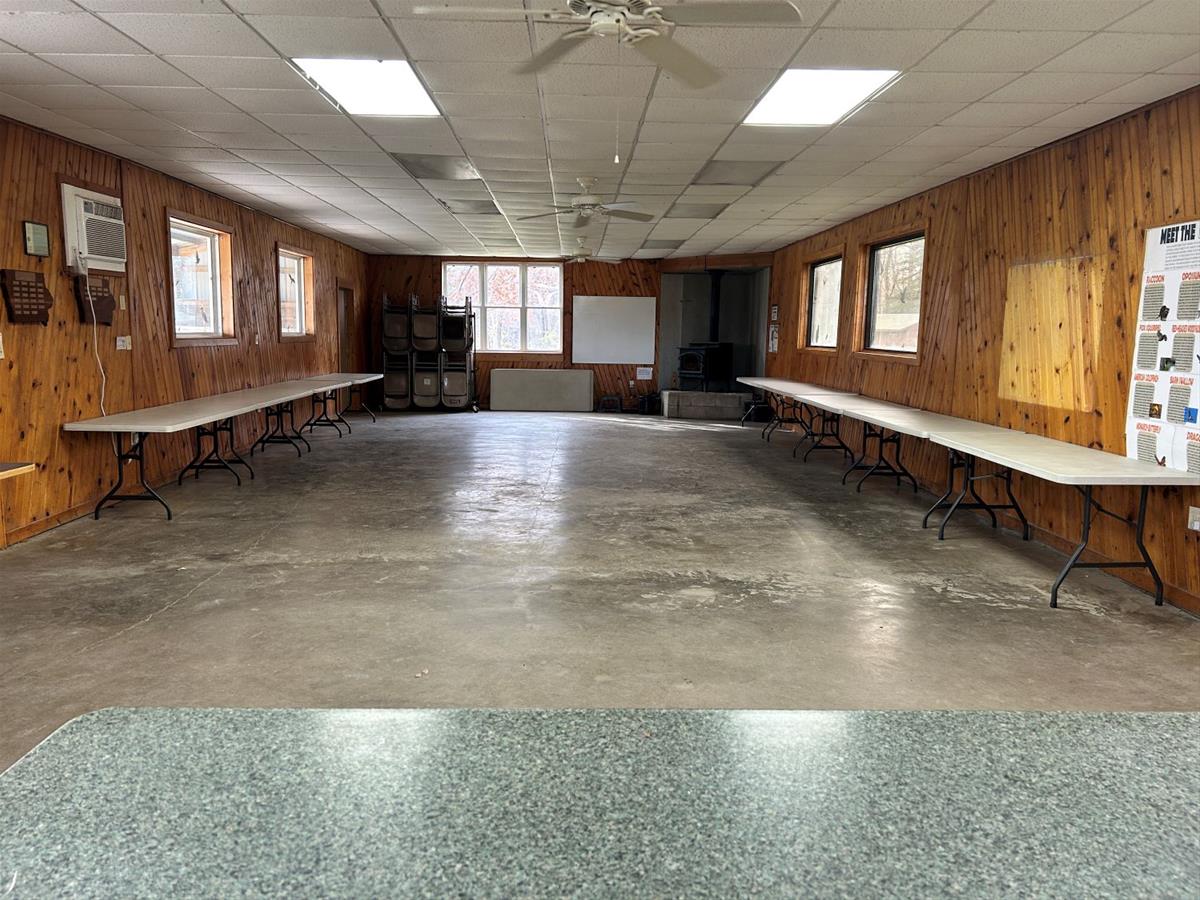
605, 803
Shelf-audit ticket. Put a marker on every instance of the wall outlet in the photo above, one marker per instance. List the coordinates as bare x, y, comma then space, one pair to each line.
124, 342
1194, 518
632, 383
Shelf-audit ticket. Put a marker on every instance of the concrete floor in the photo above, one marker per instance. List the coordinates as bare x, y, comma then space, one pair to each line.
517, 560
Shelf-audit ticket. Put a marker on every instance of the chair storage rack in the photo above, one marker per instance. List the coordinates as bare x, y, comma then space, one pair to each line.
429, 355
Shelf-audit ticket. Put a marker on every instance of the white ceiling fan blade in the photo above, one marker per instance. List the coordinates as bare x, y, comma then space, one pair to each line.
557, 212
628, 214
622, 204
549, 55
677, 60
755, 12
445, 10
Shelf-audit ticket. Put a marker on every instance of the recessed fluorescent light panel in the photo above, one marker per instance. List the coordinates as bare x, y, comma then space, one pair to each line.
817, 96
371, 87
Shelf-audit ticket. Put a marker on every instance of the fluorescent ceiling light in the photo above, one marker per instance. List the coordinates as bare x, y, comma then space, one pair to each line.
371, 87
817, 96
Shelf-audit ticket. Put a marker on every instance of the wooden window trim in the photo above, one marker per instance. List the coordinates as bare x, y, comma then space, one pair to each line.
920, 228
310, 324
229, 335
827, 254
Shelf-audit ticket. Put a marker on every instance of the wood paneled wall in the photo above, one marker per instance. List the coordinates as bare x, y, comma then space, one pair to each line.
49, 374
1077, 210
400, 276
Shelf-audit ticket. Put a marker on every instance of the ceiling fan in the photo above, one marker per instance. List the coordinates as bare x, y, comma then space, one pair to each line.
582, 254
586, 205
642, 25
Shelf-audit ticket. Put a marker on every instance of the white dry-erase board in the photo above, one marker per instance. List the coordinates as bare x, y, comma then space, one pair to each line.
613, 330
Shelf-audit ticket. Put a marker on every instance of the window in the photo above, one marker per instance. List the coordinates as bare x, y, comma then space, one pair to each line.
894, 295
201, 285
519, 304
824, 302
295, 293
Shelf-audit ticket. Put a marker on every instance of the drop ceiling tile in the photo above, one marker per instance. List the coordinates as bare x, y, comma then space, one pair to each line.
722, 46
54, 32
898, 114
924, 153
246, 140
663, 132
756, 152
126, 119
1038, 15
23, 68
293, 123
324, 36
505, 149
735, 84
943, 14
177, 99
841, 152
676, 228
176, 138
362, 9
233, 72
497, 129
300, 102
1035, 136
1189, 65
872, 136
1147, 88
428, 39
120, 69
489, 106
996, 114
62, 96
998, 51
474, 78
940, 135
850, 48
1162, 17
1086, 115
603, 109
588, 81
219, 121
676, 109
684, 151
1077, 87
191, 34
332, 141
813, 167
944, 87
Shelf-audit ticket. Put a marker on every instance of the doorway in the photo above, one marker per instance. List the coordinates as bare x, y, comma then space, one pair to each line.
345, 318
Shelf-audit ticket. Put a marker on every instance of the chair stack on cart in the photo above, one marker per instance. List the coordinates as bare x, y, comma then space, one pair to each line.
429, 355
397, 354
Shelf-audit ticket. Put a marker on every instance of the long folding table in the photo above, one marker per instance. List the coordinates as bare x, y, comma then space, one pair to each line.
12, 470
211, 417
967, 443
1084, 469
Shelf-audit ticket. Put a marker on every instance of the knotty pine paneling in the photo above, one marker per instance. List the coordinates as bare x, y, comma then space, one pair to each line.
49, 375
1082, 204
400, 276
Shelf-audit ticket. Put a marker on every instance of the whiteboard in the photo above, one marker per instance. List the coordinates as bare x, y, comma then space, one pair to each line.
613, 330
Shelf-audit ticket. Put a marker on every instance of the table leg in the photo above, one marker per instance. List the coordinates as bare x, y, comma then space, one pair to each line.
275, 431
135, 453
1138, 525
830, 428
320, 414
213, 458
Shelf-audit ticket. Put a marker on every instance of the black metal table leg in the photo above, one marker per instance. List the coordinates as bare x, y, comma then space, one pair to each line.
135, 453
967, 463
882, 465
320, 417
356, 394
275, 431
213, 458
1139, 526
829, 431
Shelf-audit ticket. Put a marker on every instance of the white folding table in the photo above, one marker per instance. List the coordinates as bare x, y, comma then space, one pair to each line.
1082, 468
209, 416
12, 470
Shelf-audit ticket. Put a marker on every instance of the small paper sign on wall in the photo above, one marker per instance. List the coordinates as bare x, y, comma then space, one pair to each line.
645, 373
773, 340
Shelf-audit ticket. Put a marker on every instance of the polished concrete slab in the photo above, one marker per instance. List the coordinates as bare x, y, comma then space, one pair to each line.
605, 803
574, 560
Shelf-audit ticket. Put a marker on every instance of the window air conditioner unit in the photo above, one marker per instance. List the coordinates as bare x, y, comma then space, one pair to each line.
94, 230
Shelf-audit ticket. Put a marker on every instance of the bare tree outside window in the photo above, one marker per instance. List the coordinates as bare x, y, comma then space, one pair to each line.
894, 295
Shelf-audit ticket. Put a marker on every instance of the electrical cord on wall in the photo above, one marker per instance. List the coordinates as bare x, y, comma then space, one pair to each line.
81, 267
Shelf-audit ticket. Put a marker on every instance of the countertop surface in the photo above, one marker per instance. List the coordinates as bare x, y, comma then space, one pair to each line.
604, 803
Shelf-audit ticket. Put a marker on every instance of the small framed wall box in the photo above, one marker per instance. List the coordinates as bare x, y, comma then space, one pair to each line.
37, 238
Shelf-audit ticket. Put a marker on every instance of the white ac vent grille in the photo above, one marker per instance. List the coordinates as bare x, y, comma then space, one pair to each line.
105, 237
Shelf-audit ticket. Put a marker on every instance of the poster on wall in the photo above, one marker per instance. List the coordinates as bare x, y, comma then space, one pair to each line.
773, 339
1162, 424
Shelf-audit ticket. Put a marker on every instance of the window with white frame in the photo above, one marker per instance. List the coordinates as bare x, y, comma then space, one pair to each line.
295, 293
199, 286
519, 304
